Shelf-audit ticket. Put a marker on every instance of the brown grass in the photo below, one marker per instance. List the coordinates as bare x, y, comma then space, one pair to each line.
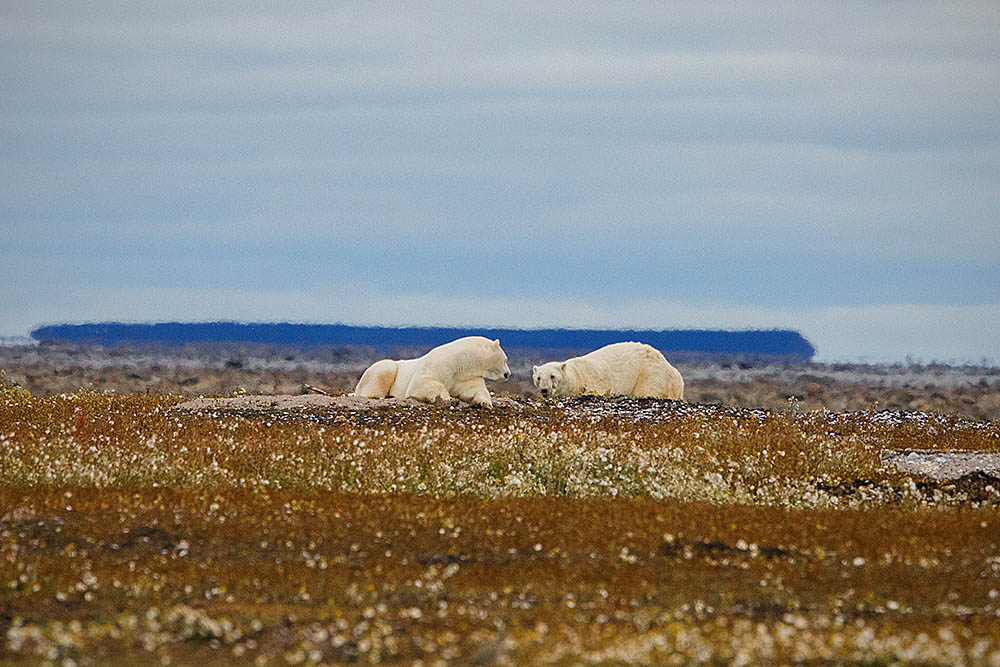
584, 531
300, 576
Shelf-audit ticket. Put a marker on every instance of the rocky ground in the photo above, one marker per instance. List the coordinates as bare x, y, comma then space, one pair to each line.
194, 370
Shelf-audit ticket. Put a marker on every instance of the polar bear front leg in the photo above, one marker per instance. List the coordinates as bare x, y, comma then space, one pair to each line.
428, 390
474, 391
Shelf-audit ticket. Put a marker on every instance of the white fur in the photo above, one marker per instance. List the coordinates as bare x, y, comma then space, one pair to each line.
627, 369
453, 370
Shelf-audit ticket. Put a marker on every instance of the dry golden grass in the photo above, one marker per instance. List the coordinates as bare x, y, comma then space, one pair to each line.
577, 448
313, 576
587, 531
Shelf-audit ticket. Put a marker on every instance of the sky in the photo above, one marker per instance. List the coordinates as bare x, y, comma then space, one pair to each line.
832, 168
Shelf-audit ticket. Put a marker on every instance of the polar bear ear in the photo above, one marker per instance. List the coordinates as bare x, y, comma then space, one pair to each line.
496, 342
534, 369
562, 367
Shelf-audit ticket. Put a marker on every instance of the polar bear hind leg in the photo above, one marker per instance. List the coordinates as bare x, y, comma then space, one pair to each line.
654, 383
646, 386
428, 390
376, 382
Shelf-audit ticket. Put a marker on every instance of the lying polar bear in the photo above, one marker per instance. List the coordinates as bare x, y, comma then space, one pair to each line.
455, 369
629, 369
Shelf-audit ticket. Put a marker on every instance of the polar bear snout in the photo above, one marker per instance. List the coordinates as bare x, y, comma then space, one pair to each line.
498, 373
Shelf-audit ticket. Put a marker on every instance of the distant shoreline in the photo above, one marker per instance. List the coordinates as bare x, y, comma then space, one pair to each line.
772, 343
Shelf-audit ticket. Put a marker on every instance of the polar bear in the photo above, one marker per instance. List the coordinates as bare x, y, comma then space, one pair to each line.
456, 369
629, 369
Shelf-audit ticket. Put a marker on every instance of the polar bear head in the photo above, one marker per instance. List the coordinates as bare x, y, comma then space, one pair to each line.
548, 377
470, 356
496, 362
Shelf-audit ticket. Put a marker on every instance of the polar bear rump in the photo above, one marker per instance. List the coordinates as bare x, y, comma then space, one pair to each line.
453, 370
377, 380
624, 369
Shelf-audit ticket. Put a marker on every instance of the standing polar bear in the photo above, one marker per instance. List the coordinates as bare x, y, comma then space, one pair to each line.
456, 369
629, 369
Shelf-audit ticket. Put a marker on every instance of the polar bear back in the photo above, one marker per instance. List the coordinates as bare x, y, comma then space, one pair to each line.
456, 361
627, 369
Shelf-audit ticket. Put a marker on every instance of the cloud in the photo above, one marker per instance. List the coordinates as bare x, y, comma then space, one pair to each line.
782, 156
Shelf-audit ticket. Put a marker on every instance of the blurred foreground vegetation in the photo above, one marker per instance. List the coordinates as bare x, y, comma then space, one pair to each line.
584, 531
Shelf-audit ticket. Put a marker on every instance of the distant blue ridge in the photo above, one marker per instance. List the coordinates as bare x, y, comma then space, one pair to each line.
708, 342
